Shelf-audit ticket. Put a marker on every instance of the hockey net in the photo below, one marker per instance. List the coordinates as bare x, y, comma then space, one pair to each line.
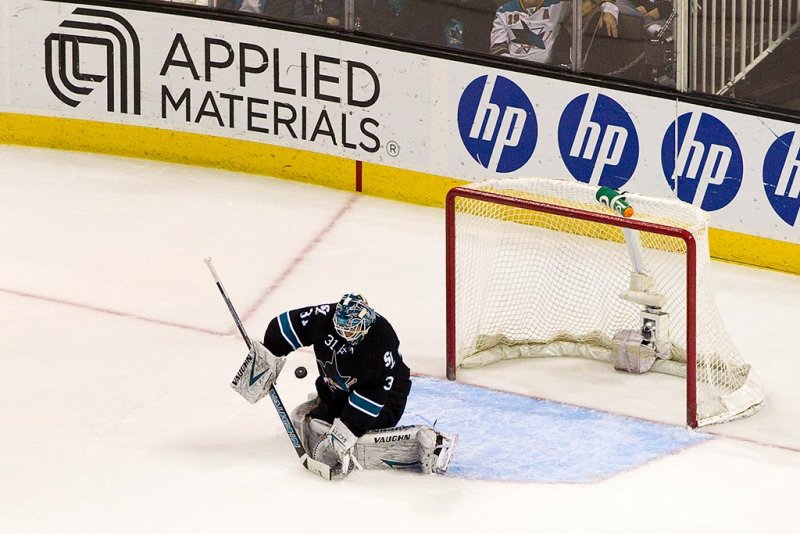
536, 267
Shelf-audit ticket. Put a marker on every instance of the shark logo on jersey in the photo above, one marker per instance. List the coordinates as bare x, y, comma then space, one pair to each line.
707, 170
598, 141
497, 123
526, 38
334, 378
781, 176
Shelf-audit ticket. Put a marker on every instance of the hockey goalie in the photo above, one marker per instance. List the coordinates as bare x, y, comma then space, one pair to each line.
361, 389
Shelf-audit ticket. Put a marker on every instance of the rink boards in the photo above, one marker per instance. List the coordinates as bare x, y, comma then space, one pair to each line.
175, 84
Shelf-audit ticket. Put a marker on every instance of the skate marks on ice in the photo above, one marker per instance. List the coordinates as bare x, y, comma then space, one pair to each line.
513, 438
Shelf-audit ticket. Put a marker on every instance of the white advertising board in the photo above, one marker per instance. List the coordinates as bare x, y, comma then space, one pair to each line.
741, 168
414, 112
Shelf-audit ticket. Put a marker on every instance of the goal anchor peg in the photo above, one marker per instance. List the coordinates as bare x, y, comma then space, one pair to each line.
653, 336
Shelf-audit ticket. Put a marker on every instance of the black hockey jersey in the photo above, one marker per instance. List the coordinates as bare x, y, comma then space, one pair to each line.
361, 377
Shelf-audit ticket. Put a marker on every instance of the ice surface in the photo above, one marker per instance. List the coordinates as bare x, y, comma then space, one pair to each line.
503, 436
116, 355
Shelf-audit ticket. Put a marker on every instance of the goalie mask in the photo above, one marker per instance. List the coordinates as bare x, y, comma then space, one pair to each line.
353, 318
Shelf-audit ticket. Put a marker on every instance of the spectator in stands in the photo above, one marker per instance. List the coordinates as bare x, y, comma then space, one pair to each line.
528, 29
409, 20
472, 19
276, 9
322, 12
252, 6
453, 32
655, 13
658, 26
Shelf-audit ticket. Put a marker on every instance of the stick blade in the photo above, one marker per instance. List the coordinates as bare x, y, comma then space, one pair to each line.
316, 467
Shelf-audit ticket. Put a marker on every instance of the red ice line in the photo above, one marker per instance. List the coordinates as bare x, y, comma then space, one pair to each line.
297, 260
110, 312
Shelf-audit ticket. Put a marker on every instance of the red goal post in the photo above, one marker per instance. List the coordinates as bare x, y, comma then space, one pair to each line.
509, 205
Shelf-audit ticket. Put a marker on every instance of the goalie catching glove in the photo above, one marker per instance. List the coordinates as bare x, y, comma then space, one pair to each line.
337, 448
258, 373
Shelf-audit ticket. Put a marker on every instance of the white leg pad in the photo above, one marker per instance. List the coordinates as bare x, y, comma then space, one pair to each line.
406, 447
301, 420
418, 447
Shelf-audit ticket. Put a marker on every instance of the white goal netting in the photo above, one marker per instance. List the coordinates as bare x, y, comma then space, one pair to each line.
534, 284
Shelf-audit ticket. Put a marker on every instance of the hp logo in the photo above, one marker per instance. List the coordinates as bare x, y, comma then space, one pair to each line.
95, 48
497, 123
707, 170
782, 176
598, 141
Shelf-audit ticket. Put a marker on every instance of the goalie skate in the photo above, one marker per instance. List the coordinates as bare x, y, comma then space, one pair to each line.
436, 451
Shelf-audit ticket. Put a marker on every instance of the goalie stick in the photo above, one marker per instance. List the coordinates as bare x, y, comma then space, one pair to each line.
309, 463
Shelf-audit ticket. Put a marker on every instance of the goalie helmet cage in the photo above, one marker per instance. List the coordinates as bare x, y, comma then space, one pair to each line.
535, 268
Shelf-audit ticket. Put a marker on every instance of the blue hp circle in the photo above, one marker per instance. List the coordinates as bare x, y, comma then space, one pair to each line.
598, 141
497, 123
781, 176
707, 170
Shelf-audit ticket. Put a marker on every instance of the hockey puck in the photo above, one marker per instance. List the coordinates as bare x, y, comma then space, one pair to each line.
300, 372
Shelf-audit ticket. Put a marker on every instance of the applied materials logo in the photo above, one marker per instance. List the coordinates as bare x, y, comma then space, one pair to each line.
707, 169
497, 123
781, 176
598, 141
95, 50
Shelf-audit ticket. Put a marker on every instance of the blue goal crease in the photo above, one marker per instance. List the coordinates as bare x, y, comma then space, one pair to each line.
508, 437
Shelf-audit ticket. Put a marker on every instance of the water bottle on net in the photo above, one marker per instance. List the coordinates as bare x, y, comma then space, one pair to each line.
615, 200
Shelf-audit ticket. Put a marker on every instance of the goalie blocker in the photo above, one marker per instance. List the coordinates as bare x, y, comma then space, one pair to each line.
257, 373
